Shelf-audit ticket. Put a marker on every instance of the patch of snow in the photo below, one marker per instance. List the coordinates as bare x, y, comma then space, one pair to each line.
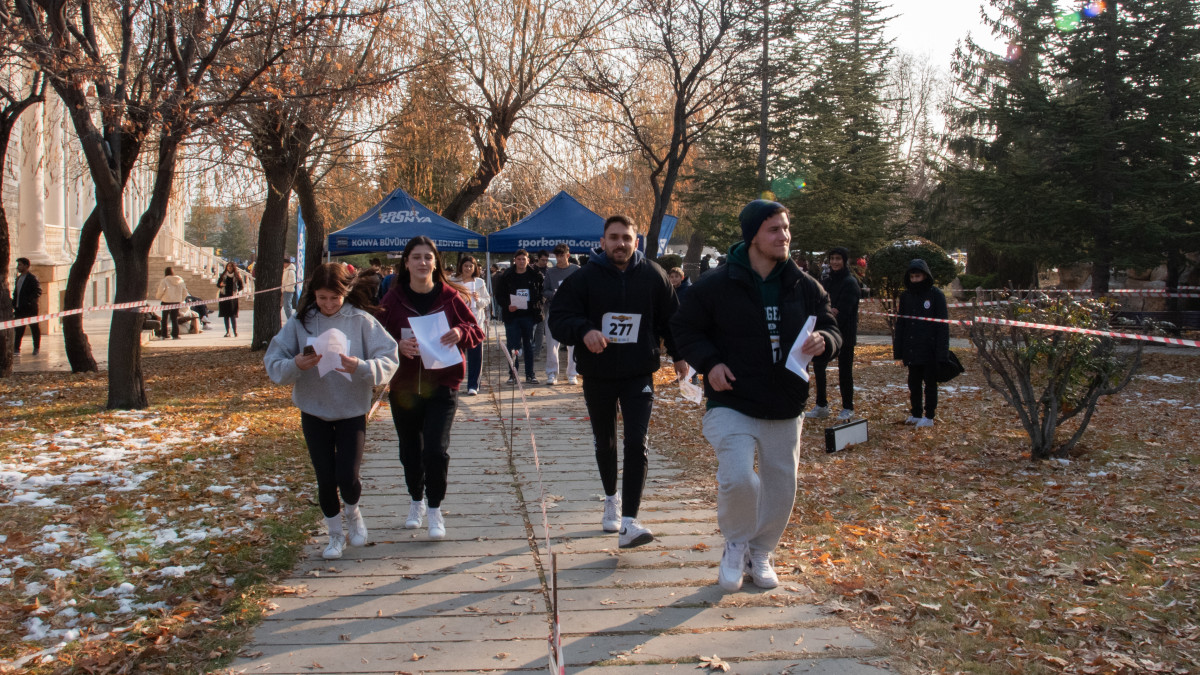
55, 573
178, 571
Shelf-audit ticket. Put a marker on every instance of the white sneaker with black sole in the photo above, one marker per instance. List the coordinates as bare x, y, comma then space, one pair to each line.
416, 513
611, 520
633, 534
846, 414
761, 566
733, 566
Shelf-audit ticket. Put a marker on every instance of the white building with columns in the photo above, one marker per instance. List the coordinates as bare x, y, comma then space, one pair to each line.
47, 196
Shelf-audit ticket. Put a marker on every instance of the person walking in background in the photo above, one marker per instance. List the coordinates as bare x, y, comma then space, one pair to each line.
171, 291
617, 308
470, 276
737, 325
844, 294
679, 282
554, 277
921, 345
542, 262
26, 291
424, 400
333, 407
289, 288
230, 284
521, 283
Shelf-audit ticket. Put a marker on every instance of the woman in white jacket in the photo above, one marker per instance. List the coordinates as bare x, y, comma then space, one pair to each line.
334, 406
477, 298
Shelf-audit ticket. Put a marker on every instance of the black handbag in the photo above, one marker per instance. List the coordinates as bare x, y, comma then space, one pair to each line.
950, 369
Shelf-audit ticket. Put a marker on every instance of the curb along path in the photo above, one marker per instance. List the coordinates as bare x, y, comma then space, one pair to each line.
478, 600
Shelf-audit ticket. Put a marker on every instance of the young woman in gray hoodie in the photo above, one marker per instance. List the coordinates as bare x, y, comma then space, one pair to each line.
333, 408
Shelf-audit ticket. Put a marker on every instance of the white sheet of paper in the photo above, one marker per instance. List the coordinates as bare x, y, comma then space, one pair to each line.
331, 345
797, 362
691, 392
429, 330
518, 301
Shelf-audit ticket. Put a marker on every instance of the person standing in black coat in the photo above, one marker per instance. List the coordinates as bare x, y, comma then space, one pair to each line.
844, 293
523, 281
920, 344
26, 291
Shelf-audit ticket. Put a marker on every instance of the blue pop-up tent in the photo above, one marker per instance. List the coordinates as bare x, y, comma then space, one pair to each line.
562, 220
390, 224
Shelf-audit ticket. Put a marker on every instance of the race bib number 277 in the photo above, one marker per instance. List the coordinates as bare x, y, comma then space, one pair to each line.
621, 328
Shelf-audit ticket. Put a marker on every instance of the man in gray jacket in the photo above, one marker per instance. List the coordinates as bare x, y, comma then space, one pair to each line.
554, 278
171, 291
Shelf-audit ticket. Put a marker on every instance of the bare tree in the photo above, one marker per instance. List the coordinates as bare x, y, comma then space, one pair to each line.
18, 94
507, 55
671, 76
144, 70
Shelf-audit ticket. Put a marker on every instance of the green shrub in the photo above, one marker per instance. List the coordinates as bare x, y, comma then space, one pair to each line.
670, 260
887, 264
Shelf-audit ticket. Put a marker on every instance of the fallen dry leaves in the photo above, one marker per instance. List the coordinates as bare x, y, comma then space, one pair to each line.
145, 541
953, 546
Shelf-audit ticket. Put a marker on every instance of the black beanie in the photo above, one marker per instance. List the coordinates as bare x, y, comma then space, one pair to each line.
753, 215
842, 251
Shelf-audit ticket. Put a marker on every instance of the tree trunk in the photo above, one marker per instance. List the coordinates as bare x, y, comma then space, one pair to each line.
691, 259
662, 202
493, 155
126, 386
764, 102
75, 340
6, 306
314, 224
272, 246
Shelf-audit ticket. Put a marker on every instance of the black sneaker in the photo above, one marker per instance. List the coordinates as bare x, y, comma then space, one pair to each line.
512, 379
531, 380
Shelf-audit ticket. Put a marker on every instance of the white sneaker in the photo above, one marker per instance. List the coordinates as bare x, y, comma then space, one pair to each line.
733, 566
357, 526
572, 380
762, 569
924, 422
551, 379
846, 414
633, 534
820, 412
472, 392
337, 543
437, 524
611, 522
416, 512
913, 420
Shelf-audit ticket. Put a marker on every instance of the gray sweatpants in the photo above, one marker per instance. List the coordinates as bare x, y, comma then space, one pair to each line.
754, 507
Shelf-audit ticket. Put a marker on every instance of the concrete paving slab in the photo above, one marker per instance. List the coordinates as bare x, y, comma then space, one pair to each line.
477, 601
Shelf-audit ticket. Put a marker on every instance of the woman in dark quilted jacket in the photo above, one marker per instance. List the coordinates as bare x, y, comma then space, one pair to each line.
921, 344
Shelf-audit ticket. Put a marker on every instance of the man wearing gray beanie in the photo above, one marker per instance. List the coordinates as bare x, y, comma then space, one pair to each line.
736, 326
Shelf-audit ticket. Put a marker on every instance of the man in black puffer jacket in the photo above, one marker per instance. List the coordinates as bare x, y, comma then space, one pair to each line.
922, 344
844, 293
736, 326
617, 307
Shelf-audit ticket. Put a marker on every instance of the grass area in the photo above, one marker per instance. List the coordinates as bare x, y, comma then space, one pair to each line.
957, 551
146, 541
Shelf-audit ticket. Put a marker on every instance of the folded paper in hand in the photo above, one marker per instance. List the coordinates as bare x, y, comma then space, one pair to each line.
518, 301
797, 361
691, 392
331, 345
429, 330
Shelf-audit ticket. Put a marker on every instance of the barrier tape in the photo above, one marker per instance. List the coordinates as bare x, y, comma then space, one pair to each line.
1051, 327
140, 305
1181, 292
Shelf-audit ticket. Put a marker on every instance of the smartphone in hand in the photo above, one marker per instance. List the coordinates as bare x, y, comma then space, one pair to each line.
309, 350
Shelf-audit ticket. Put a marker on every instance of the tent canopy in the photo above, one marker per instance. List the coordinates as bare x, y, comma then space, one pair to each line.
562, 220
390, 224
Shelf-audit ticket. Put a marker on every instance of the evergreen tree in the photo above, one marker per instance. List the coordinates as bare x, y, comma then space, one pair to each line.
1080, 144
839, 158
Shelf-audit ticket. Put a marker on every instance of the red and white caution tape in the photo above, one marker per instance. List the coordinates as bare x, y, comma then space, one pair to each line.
1047, 326
141, 306
1090, 331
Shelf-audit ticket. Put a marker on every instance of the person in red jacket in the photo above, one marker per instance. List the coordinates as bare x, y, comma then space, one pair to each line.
424, 400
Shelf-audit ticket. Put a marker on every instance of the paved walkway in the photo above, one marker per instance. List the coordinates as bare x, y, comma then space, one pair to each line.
478, 600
